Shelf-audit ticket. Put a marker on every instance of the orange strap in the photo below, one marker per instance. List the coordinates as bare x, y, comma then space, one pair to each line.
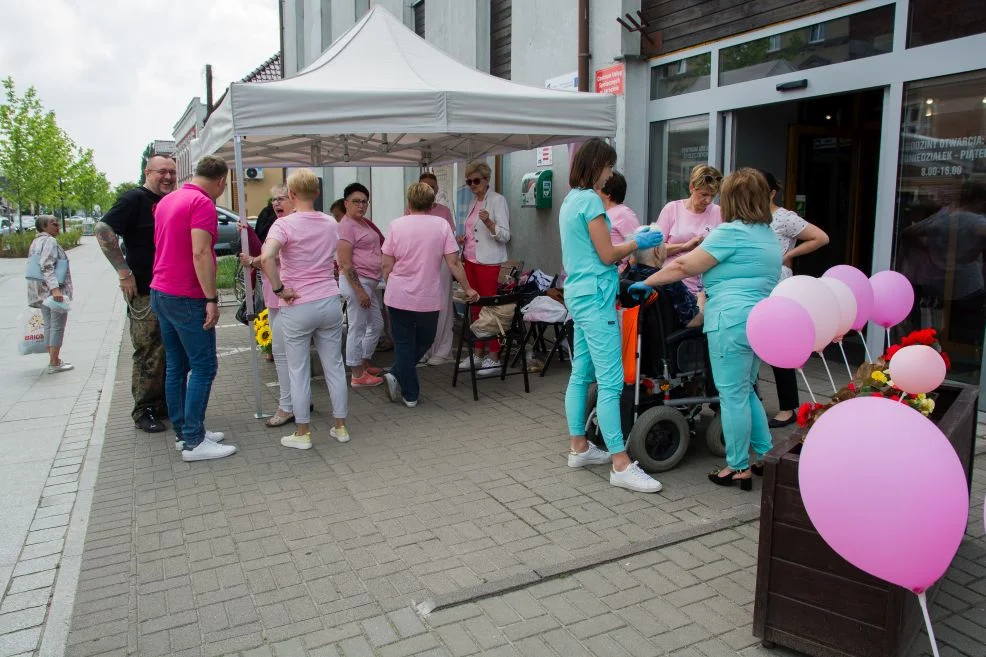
629, 332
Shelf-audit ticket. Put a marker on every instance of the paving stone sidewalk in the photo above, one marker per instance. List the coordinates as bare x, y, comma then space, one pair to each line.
332, 551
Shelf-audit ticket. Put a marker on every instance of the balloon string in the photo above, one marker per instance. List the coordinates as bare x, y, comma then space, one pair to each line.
869, 358
827, 371
902, 395
807, 385
845, 360
888, 339
927, 622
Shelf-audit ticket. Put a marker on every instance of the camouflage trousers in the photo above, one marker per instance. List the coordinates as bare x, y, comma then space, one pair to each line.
147, 383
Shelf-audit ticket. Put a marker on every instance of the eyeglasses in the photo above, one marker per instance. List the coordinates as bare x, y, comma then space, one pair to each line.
358, 201
473, 181
709, 179
164, 172
279, 199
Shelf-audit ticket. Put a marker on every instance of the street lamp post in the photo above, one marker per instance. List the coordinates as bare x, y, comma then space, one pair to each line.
61, 198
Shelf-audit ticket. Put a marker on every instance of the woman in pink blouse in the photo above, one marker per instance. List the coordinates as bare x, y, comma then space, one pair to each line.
413, 252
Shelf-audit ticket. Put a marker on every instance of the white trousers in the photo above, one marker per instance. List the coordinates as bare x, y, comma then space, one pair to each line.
280, 360
365, 324
442, 346
322, 320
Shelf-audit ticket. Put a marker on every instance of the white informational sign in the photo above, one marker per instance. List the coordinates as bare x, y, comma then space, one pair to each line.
567, 82
544, 156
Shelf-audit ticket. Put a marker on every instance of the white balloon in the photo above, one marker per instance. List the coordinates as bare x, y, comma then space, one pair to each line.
847, 304
815, 297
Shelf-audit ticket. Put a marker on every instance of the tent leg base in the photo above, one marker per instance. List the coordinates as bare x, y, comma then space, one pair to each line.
260, 415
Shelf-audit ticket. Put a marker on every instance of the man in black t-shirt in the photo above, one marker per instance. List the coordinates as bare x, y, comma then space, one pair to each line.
132, 218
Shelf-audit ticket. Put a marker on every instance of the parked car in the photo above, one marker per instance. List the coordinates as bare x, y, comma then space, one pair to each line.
228, 240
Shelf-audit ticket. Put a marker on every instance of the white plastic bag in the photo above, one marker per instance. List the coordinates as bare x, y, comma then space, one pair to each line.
32, 332
545, 309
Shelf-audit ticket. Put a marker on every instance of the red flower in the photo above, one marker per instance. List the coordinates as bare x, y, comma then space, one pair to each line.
803, 411
852, 387
924, 336
875, 394
892, 350
948, 361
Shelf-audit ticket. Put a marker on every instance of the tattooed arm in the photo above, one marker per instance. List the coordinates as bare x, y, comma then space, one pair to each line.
110, 244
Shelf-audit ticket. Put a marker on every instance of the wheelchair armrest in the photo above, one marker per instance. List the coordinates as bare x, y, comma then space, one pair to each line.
681, 335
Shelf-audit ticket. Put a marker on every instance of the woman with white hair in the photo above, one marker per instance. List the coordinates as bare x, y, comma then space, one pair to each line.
55, 281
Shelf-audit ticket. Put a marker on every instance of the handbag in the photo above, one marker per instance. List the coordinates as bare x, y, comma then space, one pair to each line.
258, 307
33, 271
493, 321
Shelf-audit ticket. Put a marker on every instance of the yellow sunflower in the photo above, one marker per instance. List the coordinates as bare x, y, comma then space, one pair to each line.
263, 336
262, 316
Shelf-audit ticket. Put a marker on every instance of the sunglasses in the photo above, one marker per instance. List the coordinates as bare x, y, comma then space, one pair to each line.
473, 181
358, 201
711, 179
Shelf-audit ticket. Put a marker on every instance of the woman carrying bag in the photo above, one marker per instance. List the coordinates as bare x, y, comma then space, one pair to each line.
48, 276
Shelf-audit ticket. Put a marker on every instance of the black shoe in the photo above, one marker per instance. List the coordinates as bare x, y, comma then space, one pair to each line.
148, 422
774, 423
744, 484
757, 469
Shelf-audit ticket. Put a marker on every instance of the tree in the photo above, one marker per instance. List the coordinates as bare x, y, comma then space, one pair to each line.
144, 159
52, 154
87, 185
120, 190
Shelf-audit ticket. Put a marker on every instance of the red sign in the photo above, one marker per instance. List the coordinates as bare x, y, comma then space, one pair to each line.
610, 80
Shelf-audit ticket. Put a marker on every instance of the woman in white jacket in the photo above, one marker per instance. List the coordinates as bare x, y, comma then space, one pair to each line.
484, 249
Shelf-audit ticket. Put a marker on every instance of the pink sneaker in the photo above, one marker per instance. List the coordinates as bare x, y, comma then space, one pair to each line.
366, 381
374, 371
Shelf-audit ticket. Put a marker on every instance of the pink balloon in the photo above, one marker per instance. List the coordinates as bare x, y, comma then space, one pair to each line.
847, 305
921, 369
893, 298
781, 333
861, 290
902, 529
820, 303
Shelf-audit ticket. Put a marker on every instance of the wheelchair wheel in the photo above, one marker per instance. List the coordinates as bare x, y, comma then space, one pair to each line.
592, 432
713, 437
659, 438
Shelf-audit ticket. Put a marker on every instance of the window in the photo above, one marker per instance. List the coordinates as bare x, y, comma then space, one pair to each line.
941, 214
419, 18
500, 23
861, 35
681, 77
933, 21
676, 147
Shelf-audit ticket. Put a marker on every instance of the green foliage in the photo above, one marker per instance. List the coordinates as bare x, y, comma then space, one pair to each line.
87, 186
225, 272
16, 245
144, 157
70, 238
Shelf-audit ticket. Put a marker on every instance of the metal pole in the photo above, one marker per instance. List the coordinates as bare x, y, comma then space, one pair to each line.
247, 279
61, 198
583, 45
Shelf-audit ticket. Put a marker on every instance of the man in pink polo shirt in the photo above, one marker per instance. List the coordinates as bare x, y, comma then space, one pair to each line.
184, 298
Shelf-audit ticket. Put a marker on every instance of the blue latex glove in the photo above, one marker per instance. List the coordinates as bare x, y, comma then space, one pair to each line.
649, 239
640, 291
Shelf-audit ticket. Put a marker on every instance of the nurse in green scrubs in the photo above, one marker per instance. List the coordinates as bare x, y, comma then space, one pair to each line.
740, 263
590, 260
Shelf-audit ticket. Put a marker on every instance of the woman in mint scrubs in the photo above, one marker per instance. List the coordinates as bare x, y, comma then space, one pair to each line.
740, 263
590, 259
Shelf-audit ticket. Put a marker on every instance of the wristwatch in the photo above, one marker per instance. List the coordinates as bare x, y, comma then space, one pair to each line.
215, 300
278, 290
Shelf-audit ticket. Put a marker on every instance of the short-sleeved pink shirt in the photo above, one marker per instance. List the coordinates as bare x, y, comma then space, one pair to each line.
367, 257
418, 244
623, 222
174, 218
308, 249
680, 225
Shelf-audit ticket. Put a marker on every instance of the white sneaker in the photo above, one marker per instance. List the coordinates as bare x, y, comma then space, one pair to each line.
211, 436
298, 442
633, 478
435, 361
409, 404
489, 367
464, 365
393, 388
340, 433
207, 450
591, 456
62, 366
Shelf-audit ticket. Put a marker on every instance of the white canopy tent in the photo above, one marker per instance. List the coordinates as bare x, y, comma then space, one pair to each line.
382, 96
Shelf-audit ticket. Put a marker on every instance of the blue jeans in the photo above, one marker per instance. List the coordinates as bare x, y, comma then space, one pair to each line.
191, 363
413, 334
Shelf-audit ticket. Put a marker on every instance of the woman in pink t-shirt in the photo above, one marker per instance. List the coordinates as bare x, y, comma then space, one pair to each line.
297, 260
413, 252
623, 221
359, 259
687, 222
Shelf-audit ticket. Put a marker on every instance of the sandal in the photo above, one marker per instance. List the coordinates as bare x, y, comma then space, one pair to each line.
278, 420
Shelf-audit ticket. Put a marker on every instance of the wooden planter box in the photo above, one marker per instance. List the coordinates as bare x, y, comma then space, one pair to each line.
808, 597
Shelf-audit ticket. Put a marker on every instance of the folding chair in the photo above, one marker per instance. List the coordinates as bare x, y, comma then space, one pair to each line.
512, 334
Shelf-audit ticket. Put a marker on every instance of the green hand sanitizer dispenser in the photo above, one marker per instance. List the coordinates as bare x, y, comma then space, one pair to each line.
536, 190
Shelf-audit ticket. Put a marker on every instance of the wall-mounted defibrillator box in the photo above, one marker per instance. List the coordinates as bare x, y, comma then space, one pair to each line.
536, 190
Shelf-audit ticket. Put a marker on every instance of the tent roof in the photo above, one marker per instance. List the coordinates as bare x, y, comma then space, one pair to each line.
381, 95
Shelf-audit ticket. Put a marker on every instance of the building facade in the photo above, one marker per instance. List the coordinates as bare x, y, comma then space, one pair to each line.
872, 113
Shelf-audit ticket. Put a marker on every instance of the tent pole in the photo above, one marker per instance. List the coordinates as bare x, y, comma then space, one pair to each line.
247, 278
